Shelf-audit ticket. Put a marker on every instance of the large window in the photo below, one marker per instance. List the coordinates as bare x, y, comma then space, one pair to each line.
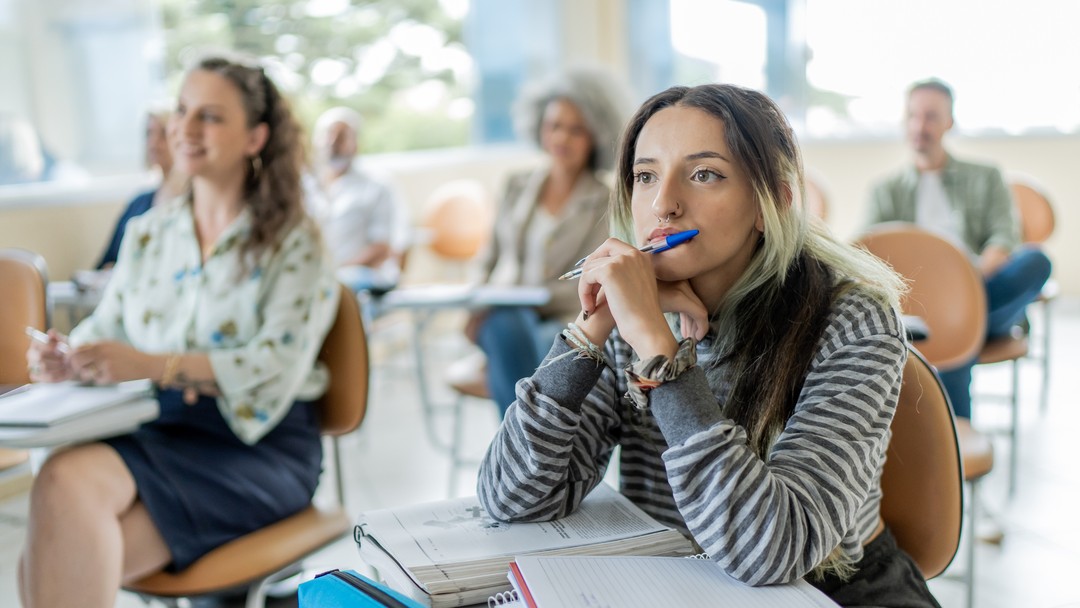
79, 75
75, 79
402, 65
1015, 66
840, 67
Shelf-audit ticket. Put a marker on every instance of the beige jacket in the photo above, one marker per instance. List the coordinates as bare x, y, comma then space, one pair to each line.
581, 227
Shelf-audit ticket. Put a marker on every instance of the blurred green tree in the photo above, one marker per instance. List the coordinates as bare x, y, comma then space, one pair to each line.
400, 63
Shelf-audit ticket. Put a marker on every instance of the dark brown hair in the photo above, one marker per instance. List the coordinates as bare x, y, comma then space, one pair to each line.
272, 190
772, 318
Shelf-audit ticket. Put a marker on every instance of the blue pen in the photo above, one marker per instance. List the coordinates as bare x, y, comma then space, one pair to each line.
671, 240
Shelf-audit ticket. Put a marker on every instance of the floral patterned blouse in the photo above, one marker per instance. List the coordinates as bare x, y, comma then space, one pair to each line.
261, 324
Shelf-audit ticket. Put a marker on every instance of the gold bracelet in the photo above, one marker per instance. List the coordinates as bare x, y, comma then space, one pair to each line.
168, 375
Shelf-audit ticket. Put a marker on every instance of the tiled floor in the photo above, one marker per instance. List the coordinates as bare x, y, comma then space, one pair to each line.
391, 462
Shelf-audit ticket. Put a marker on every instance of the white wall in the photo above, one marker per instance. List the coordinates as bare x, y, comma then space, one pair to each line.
70, 229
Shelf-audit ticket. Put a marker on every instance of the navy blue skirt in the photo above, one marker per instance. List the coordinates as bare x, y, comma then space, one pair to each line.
204, 487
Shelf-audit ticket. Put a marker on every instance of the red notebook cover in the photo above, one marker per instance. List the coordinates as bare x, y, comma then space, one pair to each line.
523, 589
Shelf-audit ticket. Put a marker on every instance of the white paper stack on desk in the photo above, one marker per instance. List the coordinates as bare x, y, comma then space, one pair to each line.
39, 415
451, 553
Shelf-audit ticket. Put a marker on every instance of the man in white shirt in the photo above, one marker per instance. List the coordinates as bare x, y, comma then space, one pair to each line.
363, 222
971, 205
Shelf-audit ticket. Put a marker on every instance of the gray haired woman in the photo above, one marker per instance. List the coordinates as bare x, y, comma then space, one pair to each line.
548, 218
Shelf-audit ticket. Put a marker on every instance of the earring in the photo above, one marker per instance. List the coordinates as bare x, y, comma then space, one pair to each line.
256, 167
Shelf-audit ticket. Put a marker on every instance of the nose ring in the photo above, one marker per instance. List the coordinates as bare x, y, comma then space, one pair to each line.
667, 218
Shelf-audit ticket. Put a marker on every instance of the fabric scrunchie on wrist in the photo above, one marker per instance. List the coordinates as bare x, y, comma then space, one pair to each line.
647, 374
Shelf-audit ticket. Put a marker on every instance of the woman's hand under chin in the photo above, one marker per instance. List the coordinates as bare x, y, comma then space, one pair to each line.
679, 297
620, 276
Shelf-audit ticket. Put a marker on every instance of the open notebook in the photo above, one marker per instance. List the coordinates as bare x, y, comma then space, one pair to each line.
452, 553
646, 582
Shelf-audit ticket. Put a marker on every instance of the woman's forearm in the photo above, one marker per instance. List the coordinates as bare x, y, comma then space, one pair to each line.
184, 371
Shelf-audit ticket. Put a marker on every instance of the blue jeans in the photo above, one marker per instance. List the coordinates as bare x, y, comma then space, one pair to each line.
1008, 292
515, 340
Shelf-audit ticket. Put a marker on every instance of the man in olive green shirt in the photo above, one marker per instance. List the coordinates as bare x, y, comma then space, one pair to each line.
968, 203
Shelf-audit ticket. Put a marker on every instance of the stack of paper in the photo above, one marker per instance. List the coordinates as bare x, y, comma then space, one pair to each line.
451, 553
50, 404
43, 415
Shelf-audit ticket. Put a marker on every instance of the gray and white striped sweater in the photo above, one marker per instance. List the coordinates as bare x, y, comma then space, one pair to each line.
688, 466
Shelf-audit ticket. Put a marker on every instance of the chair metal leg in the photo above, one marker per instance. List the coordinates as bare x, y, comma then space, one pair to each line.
256, 595
1014, 430
1044, 393
456, 460
421, 319
168, 602
969, 578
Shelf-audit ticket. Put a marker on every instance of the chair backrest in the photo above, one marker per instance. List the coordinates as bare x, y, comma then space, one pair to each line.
1037, 220
458, 219
922, 482
255, 558
945, 289
24, 280
345, 354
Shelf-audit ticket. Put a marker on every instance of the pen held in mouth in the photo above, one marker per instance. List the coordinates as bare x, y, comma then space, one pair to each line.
672, 240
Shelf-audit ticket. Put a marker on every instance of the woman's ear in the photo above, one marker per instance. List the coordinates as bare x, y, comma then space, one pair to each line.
257, 138
789, 194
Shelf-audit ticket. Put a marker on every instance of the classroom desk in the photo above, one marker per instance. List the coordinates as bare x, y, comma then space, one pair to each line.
75, 298
423, 303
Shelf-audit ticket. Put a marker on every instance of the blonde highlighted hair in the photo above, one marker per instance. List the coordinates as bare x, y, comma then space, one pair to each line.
769, 323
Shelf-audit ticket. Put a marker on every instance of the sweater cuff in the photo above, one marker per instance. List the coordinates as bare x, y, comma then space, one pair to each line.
566, 378
684, 406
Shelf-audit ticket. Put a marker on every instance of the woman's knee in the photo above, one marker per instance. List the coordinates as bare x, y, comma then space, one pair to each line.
85, 475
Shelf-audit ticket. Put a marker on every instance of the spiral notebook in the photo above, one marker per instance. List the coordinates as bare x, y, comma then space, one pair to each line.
645, 582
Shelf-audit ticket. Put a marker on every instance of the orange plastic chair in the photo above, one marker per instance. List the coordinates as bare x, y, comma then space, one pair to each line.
930, 456
458, 219
948, 293
945, 290
922, 482
262, 557
25, 279
1037, 222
